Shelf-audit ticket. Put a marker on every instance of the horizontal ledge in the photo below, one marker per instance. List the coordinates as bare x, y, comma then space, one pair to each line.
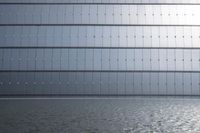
64, 47
175, 25
57, 3
28, 95
104, 71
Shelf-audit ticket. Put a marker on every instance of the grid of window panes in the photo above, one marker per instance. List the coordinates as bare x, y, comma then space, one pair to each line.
97, 47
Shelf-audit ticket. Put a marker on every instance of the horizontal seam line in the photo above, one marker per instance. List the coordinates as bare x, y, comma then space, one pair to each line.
60, 47
122, 71
181, 25
99, 3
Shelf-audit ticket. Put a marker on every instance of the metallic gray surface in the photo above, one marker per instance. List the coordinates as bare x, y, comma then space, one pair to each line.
133, 49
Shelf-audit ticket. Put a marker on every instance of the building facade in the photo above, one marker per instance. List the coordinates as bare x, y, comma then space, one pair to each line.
85, 47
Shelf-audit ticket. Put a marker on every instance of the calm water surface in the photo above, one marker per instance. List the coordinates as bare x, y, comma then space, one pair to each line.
99, 115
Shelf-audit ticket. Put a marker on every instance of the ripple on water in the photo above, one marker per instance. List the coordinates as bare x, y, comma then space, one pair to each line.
101, 115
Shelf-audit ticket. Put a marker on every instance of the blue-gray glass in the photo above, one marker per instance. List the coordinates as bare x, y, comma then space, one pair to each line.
92, 48
101, 14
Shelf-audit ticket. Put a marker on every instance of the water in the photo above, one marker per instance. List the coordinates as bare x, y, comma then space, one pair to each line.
110, 115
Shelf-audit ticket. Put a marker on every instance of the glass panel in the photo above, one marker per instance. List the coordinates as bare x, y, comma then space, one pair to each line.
195, 60
125, 14
137, 83
154, 59
90, 36
130, 35
162, 56
122, 59
154, 83
162, 78
147, 37
98, 36
146, 59
65, 57
138, 59
179, 60
96, 83
139, 36
195, 84
171, 37
104, 83
81, 59
106, 37
40, 60
188, 37
89, 59
122, 35
195, 36
179, 37
145, 83
97, 59
187, 60
179, 84
78, 14
85, 14
117, 14
133, 14
187, 84
109, 14
101, 14
130, 59
93, 14
129, 83
170, 84
113, 83
114, 59
170, 59
6, 59
115, 36
105, 59
155, 37
32, 61
121, 83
